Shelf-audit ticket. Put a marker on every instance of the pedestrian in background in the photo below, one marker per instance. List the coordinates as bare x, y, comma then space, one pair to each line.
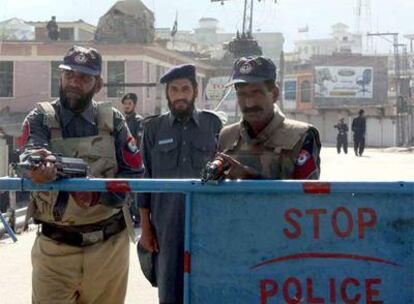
134, 122
342, 137
359, 128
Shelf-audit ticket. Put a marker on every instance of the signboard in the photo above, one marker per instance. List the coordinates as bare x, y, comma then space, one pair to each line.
344, 82
302, 248
216, 87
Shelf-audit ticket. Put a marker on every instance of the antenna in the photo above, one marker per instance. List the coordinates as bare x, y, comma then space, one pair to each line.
363, 23
244, 44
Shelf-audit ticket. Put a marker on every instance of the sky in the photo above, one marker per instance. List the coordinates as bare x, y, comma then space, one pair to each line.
285, 16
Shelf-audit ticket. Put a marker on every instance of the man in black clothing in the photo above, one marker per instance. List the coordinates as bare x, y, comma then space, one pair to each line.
342, 137
359, 128
53, 29
134, 122
133, 119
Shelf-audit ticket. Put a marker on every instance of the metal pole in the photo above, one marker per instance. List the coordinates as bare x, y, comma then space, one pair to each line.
251, 18
244, 17
187, 247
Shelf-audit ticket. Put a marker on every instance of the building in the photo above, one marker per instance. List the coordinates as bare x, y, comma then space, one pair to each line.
341, 40
328, 87
208, 40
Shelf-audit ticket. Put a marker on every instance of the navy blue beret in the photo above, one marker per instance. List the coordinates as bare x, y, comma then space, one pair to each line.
179, 71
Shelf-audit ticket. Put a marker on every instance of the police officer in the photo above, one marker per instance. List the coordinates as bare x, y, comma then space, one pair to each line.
176, 144
265, 144
81, 254
359, 126
342, 137
134, 122
133, 119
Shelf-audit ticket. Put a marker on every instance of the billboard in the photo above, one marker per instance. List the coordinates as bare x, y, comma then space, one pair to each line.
352, 82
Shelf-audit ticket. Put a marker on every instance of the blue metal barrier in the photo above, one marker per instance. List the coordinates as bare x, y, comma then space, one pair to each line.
285, 241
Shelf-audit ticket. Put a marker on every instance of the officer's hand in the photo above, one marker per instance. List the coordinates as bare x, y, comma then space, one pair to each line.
237, 169
46, 172
148, 239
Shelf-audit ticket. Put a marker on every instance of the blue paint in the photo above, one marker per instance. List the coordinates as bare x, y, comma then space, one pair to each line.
235, 233
232, 233
8, 228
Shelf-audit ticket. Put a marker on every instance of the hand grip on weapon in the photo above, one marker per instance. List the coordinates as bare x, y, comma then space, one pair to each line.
45, 171
237, 170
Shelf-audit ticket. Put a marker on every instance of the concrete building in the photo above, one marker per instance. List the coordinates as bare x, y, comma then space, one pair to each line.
341, 40
207, 39
326, 88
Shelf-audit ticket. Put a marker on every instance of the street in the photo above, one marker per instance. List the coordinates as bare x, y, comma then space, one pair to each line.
382, 165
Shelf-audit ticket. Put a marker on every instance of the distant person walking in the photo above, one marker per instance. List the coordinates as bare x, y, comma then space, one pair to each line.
359, 128
342, 137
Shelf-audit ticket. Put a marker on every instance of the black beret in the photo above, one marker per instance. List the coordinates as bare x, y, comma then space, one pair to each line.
179, 71
131, 96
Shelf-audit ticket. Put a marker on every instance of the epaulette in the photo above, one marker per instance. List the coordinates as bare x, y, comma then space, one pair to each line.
147, 119
219, 115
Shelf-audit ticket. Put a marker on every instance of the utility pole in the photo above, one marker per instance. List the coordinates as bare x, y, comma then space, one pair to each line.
401, 97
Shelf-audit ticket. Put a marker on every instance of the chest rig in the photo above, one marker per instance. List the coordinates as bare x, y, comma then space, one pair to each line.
98, 151
274, 154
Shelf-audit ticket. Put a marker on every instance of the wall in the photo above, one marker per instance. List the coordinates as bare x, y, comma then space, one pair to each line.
381, 132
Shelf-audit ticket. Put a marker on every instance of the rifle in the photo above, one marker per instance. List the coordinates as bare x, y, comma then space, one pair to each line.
66, 166
215, 170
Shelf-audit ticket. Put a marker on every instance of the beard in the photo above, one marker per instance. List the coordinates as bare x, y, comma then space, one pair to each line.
182, 114
75, 104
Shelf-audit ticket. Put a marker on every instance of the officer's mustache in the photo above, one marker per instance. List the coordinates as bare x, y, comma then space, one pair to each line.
252, 109
182, 100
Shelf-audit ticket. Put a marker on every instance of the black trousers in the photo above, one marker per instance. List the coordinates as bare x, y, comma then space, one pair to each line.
342, 142
359, 144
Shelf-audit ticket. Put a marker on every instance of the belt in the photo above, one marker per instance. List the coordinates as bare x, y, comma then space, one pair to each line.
85, 235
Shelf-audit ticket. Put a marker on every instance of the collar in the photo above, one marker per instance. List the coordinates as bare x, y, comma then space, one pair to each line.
267, 132
66, 115
194, 117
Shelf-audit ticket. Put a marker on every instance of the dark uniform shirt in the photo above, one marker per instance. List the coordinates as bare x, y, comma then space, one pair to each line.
84, 124
359, 125
172, 149
37, 134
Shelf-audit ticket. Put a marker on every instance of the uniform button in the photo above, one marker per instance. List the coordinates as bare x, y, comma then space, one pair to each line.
185, 128
184, 160
184, 143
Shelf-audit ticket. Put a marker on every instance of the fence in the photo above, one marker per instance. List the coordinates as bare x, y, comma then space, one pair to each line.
285, 241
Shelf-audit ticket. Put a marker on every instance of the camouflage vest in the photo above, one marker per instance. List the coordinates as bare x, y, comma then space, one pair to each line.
98, 151
273, 152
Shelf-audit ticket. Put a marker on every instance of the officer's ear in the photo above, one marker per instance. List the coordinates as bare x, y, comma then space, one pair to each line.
99, 84
275, 93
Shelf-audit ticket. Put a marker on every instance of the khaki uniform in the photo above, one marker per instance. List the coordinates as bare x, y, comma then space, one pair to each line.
285, 149
63, 273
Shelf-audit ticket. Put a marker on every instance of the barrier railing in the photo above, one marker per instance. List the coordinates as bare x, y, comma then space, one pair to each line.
285, 241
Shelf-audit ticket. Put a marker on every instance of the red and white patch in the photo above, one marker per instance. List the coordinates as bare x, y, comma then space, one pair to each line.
131, 154
22, 139
305, 165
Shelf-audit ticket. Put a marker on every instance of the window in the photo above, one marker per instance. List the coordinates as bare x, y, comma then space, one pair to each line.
54, 78
6, 78
116, 78
305, 91
290, 90
66, 33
